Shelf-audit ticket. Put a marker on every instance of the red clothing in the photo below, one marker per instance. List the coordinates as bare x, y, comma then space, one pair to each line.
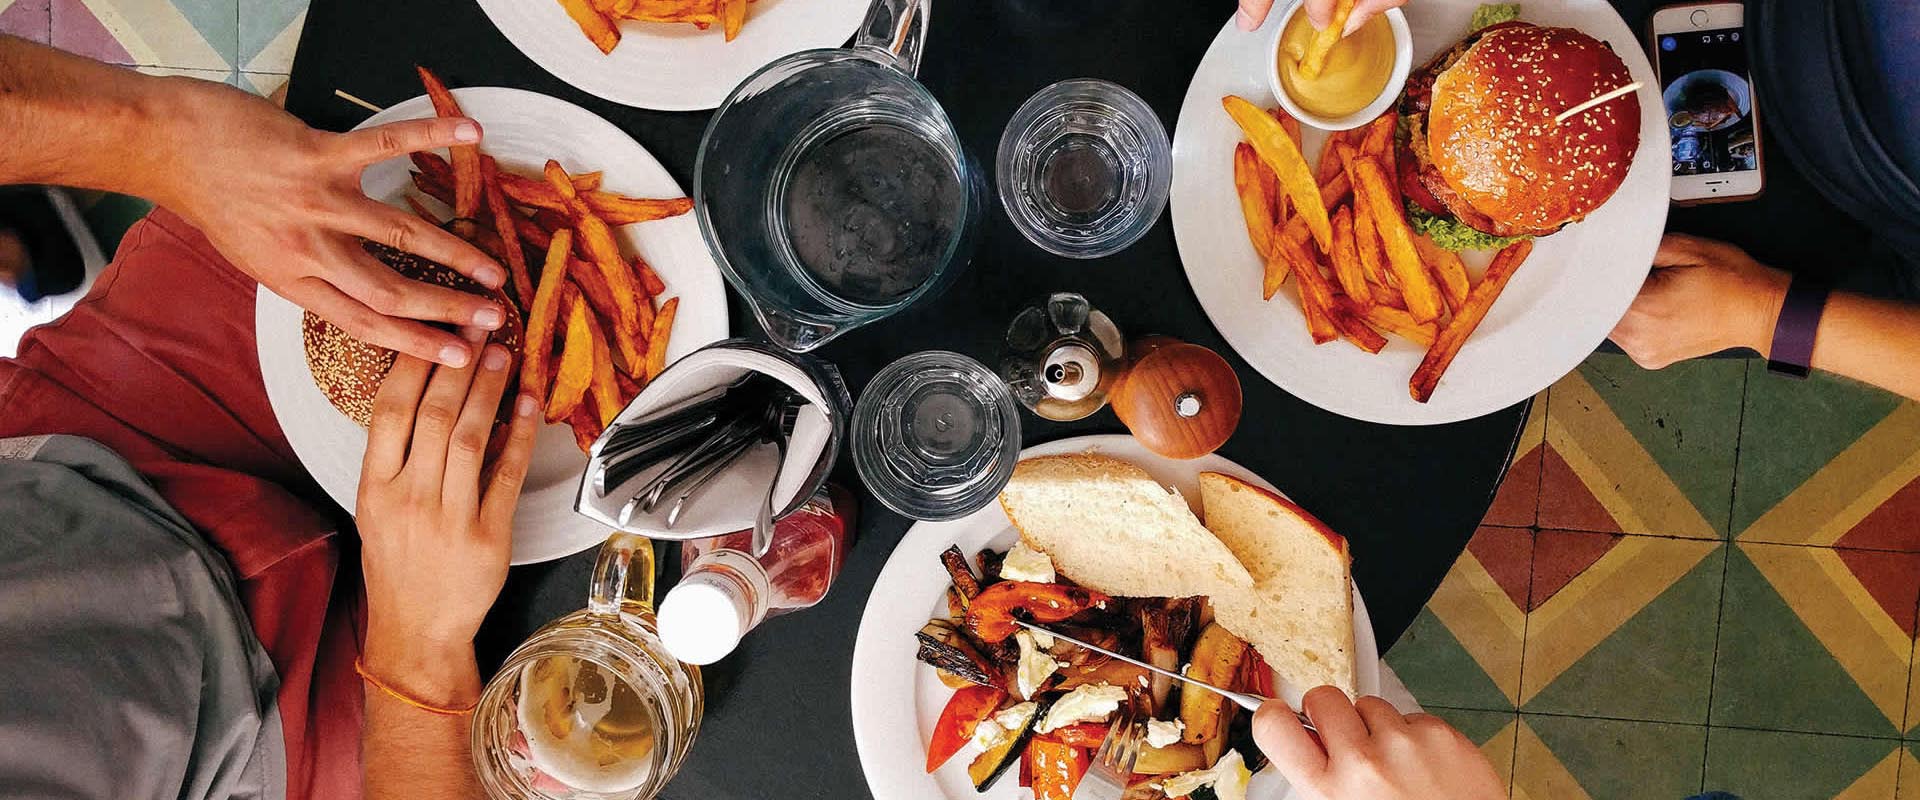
158, 363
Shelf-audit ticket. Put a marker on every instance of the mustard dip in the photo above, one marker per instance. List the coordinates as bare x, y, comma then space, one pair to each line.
1357, 69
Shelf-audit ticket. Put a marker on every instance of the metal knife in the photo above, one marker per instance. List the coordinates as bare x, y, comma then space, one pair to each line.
1250, 702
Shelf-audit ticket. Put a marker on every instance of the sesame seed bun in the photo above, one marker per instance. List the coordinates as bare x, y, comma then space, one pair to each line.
1492, 137
349, 371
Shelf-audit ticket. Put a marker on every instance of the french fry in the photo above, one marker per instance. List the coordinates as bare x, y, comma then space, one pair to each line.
616, 209
604, 253
657, 340
421, 210
1282, 154
1255, 185
542, 316
629, 388
433, 166
1353, 329
1466, 318
1324, 39
649, 280
1335, 190
1288, 122
605, 391
530, 192
1385, 295
733, 15
1330, 165
1448, 270
465, 157
576, 363
503, 218
1366, 243
597, 26
601, 298
586, 426
1316, 296
588, 181
1346, 261
1400, 323
1371, 193
1377, 136
442, 192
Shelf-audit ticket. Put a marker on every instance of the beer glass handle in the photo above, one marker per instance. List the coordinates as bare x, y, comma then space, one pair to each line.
622, 574
897, 29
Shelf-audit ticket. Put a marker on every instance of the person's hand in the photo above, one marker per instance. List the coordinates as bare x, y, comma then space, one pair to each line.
1702, 297
282, 201
1369, 750
1254, 12
435, 520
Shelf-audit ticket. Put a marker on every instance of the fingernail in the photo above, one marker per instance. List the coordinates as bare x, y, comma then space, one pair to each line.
454, 356
495, 358
490, 276
468, 131
490, 318
1244, 20
526, 406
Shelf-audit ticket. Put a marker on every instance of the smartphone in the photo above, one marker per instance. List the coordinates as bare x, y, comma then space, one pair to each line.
1712, 108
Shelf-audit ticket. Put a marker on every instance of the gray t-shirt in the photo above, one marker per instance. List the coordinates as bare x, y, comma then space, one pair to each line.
127, 667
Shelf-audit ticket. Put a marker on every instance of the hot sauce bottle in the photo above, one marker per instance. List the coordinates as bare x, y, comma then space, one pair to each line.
724, 591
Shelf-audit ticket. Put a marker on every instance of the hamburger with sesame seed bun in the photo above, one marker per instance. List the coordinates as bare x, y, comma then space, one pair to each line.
1485, 163
349, 372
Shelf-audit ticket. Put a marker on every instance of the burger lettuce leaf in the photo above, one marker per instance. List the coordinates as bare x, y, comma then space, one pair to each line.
1490, 14
1452, 234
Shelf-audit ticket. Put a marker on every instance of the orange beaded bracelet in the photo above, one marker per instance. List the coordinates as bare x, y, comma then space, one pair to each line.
402, 696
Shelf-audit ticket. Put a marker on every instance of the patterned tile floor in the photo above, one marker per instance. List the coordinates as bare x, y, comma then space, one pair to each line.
1703, 578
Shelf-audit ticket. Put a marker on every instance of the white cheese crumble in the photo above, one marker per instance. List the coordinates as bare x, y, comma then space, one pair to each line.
1162, 734
1035, 665
1024, 563
994, 730
1090, 703
1228, 777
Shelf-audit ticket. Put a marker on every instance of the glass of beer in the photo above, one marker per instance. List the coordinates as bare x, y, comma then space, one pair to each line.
591, 707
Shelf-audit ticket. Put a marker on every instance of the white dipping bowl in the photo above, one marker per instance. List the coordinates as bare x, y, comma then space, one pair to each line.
1402, 64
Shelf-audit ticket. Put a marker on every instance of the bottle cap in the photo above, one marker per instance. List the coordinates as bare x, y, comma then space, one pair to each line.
701, 621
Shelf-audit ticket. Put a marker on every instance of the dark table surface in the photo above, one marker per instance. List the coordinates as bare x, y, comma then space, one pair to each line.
777, 723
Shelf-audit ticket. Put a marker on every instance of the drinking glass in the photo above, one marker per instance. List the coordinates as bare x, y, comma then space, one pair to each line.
832, 188
936, 435
591, 707
1084, 168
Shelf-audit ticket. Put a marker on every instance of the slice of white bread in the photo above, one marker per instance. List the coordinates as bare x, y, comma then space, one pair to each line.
1299, 615
1111, 527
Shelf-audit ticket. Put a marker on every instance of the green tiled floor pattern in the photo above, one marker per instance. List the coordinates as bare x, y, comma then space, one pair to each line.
1662, 603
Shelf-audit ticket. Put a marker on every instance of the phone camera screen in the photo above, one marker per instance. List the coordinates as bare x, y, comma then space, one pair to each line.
1709, 101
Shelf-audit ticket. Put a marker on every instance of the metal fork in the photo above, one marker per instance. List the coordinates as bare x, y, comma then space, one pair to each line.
1106, 778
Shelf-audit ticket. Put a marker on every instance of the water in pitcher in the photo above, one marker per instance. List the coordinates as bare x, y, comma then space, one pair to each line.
872, 211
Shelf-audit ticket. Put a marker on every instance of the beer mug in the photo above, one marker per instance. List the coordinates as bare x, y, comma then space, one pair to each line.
591, 705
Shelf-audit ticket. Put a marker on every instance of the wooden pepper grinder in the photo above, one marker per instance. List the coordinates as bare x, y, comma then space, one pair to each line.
1181, 400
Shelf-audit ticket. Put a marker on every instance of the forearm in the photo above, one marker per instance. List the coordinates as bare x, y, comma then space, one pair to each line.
71, 121
1871, 340
408, 752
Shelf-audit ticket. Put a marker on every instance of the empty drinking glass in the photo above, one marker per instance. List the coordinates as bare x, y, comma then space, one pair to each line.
1084, 168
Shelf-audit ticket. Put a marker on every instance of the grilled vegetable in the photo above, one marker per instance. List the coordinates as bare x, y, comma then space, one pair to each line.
1172, 759
1056, 768
1216, 660
942, 647
964, 584
958, 720
990, 566
1117, 673
990, 765
990, 615
1159, 648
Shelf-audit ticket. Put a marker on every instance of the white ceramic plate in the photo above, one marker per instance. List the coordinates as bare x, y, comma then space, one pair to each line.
897, 700
1558, 308
523, 130
672, 67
